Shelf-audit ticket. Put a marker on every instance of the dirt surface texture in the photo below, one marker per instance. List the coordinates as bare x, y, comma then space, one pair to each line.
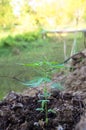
76, 80
65, 110
18, 112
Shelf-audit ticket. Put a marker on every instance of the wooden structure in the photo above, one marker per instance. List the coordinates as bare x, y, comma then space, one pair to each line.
63, 31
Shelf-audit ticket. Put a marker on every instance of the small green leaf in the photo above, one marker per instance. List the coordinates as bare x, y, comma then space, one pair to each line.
46, 95
32, 64
40, 109
51, 110
34, 83
46, 79
44, 102
59, 66
57, 86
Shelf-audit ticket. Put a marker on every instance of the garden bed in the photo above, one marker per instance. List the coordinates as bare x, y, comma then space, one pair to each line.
66, 108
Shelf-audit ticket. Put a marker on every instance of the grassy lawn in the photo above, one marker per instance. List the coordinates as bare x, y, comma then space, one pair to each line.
49, 49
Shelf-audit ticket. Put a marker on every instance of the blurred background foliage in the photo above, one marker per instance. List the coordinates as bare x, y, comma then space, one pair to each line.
21, 24
28, 15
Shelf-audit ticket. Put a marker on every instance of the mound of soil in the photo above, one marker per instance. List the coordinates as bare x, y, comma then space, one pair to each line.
18, 112
76, 79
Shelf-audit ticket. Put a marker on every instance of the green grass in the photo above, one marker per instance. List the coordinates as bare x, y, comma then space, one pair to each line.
29, 51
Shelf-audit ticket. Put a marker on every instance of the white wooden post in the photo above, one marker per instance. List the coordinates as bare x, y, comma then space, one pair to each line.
73, 50
65, 56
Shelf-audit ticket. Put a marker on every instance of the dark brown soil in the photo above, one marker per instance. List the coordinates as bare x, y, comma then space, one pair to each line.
76, 79
18, 112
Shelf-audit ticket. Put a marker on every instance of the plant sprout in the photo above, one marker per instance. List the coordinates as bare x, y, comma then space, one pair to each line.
35, 83
44, 104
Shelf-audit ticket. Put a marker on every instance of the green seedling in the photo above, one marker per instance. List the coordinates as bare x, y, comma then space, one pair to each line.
44, 104
38, 81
